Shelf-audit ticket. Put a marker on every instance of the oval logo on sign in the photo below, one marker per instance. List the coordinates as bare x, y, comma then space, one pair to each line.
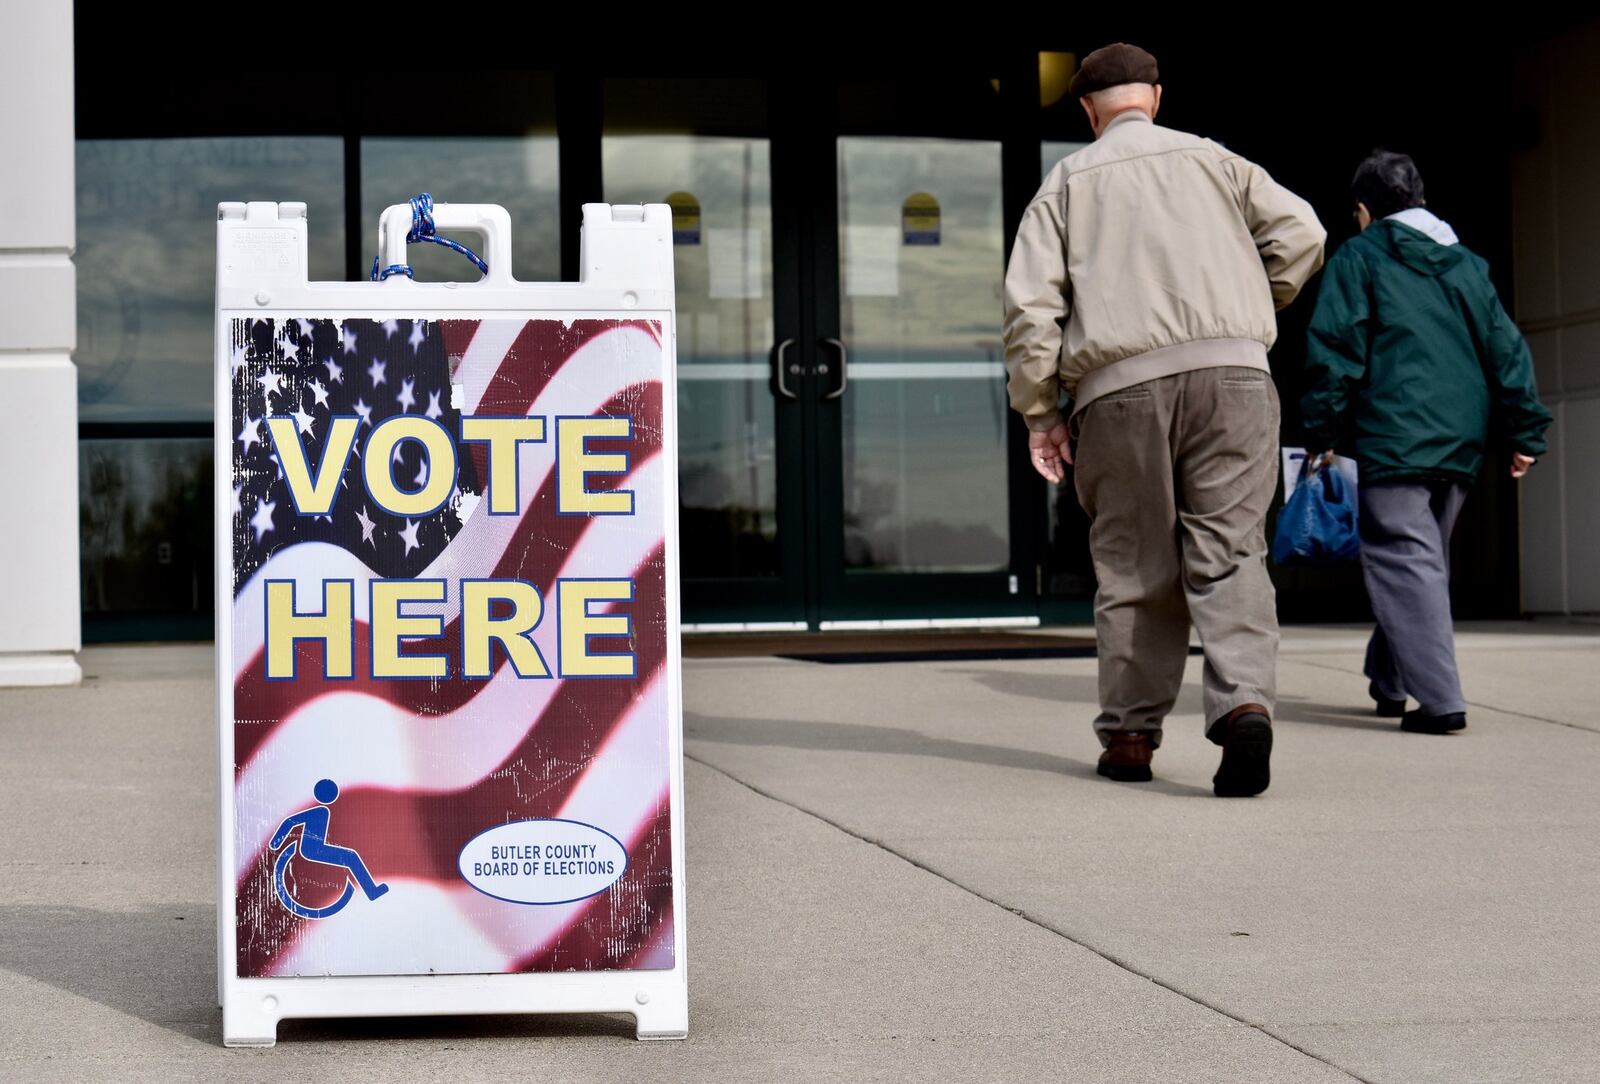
543, 861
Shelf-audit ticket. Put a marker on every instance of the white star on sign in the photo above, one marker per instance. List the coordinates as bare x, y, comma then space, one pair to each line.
249, 433
270, 382
238, 358
348, 339
335, 371
305, 328
389, 328
422, 474
364, 410
397, 457
409, 537
417, 336
366, 527
237, 507
262, 520
434, 411
303, 419
318, 391
376, 370
407, 398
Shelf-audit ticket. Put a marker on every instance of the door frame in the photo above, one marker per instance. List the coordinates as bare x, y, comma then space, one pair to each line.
803, 128
835, 598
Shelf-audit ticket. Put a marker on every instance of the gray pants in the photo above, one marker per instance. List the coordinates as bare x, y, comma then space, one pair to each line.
1176, 476
1405, 558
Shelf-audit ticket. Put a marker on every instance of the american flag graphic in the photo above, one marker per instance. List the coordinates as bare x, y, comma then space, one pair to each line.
423, 766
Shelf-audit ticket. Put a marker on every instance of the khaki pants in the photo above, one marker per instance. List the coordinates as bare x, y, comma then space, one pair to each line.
1176, 476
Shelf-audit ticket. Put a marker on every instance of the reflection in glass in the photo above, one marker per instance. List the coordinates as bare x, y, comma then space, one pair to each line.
925, 409
1053, 151
145, 525
520, 174
722, 224
147, 212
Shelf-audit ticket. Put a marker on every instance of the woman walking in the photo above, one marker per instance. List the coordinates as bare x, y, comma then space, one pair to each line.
1410, 350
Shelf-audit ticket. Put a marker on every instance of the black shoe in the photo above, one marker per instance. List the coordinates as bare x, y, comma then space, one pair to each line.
1387, 709
1246, 740
1418, 723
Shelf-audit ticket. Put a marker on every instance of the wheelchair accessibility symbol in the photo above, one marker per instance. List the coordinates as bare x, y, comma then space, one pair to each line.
313, 846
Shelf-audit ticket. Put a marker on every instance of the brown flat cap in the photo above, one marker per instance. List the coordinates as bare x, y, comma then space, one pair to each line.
1112, 66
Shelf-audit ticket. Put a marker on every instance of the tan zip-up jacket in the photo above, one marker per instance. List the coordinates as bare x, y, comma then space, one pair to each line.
1148, 253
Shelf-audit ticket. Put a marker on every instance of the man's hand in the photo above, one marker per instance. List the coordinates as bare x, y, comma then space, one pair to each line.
1520, 464
1049, 450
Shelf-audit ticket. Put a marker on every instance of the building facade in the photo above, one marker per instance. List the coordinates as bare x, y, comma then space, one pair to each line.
842, 216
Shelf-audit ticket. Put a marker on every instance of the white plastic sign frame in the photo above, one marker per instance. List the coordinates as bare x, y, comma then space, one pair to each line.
627, 274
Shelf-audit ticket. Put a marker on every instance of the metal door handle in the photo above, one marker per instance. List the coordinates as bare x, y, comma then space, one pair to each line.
778, 382
844, 376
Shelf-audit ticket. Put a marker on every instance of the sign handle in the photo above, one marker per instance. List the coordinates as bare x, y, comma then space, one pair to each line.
400, 220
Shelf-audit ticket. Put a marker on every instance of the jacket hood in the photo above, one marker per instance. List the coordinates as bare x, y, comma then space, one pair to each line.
1414, 248
1425, 221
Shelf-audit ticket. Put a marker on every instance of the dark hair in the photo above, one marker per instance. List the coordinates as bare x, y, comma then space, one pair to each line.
1387, 183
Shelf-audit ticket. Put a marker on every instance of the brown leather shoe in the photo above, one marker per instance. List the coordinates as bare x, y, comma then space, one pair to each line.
1127, 758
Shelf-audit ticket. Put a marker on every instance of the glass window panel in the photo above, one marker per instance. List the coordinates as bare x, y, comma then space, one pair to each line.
520, 173
145, 525
1052, 151
727, 467
925, 411
147, 213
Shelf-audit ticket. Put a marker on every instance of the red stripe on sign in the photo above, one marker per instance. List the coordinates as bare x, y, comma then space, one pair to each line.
658, 953
540, 351
605, 933
457, 336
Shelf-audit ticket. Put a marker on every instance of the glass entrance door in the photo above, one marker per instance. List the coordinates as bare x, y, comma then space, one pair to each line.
703, 146
843, 431
918, 383
920, 513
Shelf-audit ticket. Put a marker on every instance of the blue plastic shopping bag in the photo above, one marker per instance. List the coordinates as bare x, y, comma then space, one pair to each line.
1318, 523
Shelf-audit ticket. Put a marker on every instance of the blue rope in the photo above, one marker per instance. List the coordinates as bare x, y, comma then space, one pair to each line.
422, 229
392, 269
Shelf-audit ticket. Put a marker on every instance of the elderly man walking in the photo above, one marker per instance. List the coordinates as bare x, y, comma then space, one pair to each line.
1143, 284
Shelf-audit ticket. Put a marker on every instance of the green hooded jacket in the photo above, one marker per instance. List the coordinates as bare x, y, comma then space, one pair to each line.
1408, 348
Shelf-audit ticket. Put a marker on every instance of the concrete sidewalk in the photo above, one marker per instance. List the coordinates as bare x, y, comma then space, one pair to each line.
910, 871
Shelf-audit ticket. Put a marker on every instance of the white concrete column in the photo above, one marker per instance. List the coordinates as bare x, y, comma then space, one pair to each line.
40, 623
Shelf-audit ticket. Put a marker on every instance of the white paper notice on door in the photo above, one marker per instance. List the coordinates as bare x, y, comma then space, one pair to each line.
872, 261
735, 258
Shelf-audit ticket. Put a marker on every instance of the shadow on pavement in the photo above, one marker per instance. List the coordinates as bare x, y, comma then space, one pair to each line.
852, 738
1293, 710
1060, 688
455, 1027
1081, 689
159, 966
